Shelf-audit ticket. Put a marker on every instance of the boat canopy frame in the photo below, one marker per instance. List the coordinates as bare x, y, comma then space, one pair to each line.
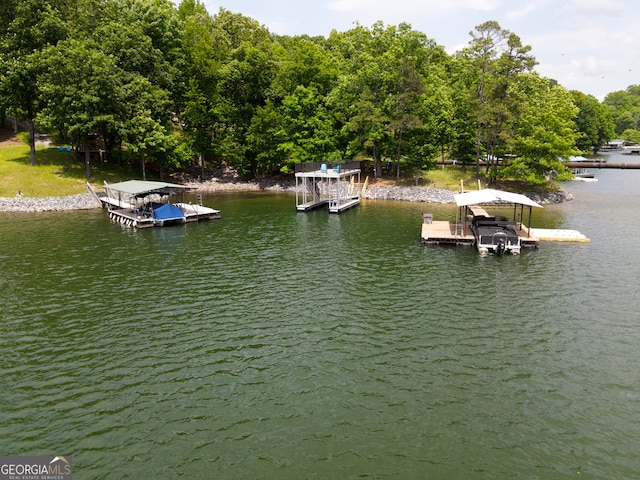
489, 196
139, 188
134, 191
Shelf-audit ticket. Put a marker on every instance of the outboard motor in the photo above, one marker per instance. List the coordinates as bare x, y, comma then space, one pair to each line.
501, 247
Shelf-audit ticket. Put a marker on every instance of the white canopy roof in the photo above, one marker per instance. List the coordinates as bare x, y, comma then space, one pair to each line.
488, 195
140, 187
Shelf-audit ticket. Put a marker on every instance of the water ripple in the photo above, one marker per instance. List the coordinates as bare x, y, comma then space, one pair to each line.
280, 345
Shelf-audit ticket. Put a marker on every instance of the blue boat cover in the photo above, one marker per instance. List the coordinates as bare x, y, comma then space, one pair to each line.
167, 212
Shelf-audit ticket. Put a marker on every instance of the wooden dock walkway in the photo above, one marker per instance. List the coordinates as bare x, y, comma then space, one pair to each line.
343, 204
443, 233
313, 204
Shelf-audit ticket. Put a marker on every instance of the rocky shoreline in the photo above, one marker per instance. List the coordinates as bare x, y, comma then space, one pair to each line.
84, 201
374, 192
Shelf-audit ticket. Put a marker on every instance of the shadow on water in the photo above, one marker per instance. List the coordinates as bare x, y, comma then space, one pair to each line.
277, 344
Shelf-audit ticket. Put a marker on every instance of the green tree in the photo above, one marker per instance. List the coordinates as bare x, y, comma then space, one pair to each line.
544, 132
405, 109
497, 57
420, 78
624, 106
146, 122
378, 96
79, 88
594, 122
243, 83
303, 61
28, 26
307, 125
203, 48
361, 96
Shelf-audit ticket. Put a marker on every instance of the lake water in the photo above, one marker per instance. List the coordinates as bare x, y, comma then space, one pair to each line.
281, 345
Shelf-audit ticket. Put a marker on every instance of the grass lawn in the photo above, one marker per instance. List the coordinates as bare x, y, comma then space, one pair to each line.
450, 178
55, 173
453, 177
447, 178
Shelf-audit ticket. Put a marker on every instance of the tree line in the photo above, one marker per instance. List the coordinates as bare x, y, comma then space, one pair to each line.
180, 88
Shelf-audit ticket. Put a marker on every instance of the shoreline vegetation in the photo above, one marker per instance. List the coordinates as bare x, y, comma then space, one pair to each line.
86, 201
225, 180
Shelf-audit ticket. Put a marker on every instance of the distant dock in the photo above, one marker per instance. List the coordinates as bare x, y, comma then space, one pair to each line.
321, 184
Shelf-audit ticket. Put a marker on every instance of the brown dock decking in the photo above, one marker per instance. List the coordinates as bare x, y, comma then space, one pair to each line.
438, 232
460, 233
441, 232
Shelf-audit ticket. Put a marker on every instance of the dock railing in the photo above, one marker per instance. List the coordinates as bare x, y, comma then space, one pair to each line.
314, 166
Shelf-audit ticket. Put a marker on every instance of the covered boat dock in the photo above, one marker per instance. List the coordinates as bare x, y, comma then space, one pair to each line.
470, 207
144, 204
319, 184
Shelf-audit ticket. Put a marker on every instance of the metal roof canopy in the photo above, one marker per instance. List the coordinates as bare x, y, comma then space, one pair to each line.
142, 187
489, 195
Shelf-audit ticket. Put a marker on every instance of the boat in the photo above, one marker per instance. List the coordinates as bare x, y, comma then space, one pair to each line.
631, 150
474, 226
613, 146
141, 204
495, 233
581, 174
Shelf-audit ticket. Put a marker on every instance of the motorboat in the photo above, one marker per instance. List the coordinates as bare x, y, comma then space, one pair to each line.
493, 233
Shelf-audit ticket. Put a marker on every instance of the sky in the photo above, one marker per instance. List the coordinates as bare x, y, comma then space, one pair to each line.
588, 45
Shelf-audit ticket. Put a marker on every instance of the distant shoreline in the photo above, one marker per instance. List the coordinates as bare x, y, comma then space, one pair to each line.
375, 192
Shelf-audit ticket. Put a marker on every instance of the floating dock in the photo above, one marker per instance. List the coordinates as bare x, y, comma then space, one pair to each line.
142, 204
471, 208
195, 212
559, 235
321, 184
145, 218
459, 233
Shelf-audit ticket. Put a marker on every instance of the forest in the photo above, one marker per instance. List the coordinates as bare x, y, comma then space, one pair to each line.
174, 87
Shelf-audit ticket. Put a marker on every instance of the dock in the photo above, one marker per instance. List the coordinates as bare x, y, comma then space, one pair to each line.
143, 204
195, 212
456, 233
321, 184
559, 235
143, 219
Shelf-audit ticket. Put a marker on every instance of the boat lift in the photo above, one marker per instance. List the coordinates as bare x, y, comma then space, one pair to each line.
318, 184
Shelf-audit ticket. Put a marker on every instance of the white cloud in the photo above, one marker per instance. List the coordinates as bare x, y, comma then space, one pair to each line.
525, 9
409, 8
606, 8
577, 42
345, 5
